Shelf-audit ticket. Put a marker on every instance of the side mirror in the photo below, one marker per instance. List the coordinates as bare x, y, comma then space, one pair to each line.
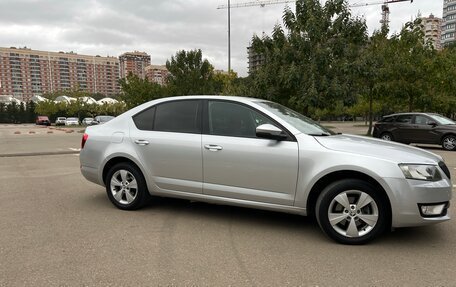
433, 124
94, 122
269, 131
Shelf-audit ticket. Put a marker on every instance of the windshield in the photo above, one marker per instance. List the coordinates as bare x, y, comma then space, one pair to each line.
442, 120
300, 122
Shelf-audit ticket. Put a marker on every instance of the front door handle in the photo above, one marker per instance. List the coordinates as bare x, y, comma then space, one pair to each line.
141, 142
213, 147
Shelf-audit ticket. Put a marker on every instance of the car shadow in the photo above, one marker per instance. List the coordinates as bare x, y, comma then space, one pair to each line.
428, 147
283, 223
423, 236
228, 213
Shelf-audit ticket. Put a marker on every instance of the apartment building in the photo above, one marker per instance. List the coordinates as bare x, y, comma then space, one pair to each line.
449, 22
157, 74
134, 62
25, 73
432, 28
255, 60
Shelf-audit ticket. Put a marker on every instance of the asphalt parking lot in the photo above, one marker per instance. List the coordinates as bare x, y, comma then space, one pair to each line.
57, 229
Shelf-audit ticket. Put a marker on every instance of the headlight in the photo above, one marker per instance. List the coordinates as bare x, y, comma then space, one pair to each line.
421, 172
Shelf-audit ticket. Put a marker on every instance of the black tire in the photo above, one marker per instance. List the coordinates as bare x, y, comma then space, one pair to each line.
387, 136
449, 142
126, 195
364, 232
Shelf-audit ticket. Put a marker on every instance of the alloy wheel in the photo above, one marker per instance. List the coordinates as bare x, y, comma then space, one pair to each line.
353, 213
386, 137
124, 186
449, 143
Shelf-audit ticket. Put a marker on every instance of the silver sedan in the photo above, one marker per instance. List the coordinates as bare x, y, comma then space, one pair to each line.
256, 153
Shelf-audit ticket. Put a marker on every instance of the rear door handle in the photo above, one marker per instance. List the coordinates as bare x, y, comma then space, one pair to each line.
213, 147
141, 142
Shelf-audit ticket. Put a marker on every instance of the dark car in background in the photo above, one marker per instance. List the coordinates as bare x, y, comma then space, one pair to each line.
43, 120
421, 128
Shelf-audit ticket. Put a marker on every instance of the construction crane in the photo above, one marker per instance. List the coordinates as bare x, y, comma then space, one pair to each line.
385, 9
256, 3
384, 21
245, 4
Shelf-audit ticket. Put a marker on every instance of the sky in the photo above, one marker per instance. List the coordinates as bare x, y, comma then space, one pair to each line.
163, 27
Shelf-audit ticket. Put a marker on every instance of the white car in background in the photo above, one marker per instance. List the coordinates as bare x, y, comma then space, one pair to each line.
101, 120
72, 122
60, 121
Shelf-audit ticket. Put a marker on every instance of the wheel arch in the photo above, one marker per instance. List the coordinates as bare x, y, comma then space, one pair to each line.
386, 132
119, 159
446, 134
332, 177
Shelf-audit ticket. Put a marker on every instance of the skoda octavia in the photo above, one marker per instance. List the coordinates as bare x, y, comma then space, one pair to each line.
256, 153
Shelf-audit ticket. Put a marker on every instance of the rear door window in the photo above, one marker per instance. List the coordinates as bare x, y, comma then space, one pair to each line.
178, 116
387, 120
145, 119
404, 119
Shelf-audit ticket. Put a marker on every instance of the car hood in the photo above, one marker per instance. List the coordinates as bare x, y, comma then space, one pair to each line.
395, 152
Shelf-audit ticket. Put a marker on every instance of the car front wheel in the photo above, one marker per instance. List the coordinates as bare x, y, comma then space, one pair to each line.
352, 211
449, 142
126, 187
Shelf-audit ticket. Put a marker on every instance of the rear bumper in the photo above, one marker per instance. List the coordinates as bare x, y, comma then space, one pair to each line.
91, 174
376, 132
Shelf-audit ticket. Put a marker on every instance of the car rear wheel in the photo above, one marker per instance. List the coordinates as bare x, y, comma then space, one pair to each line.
387, 137
352, 211
449, 142
126, 187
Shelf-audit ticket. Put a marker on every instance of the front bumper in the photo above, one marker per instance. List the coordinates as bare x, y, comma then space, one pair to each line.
408, 195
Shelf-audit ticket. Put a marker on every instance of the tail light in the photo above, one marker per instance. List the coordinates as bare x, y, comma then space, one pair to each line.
84, 139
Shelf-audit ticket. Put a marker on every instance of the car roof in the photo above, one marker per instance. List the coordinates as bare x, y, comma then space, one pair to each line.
196, 97
410, 113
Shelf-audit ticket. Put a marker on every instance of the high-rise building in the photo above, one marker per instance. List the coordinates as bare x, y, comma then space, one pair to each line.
449, 22
432, 28
255, 60
25, 73
134, 62
157, 74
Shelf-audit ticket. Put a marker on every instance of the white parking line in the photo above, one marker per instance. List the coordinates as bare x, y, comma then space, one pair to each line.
75, 149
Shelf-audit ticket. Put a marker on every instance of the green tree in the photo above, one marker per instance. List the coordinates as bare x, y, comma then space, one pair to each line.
441, 96
225, 83
409, 56
370, 69
190, 74
137, 91
309, 64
